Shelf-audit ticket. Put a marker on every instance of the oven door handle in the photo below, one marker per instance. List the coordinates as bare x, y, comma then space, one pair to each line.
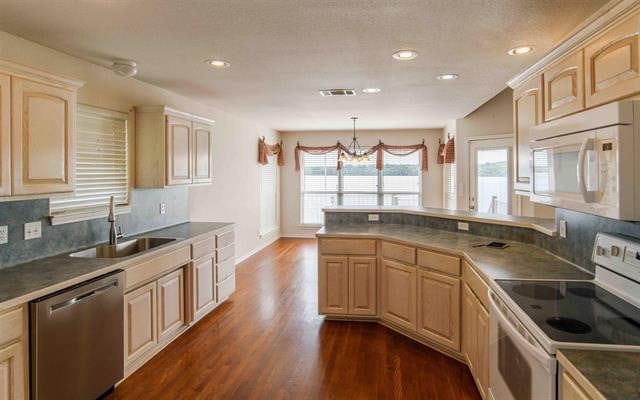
587, 196
542, 356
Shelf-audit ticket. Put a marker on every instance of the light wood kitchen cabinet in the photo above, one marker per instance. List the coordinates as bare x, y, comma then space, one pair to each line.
12, 372
475, 339
172, 148
563, 87
362, 285
141, 322
171, 304
334, 285
438, 314
527, 113
42, 138
399, 293
178, 151
612, 63
5, 135
469, 327
204, 286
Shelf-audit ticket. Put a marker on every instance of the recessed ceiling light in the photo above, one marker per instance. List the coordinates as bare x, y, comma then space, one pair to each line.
405, 55
218, 63
447, 77
517, 51
371, 90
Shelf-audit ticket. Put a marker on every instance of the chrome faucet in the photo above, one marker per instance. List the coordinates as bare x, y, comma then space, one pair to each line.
113, 235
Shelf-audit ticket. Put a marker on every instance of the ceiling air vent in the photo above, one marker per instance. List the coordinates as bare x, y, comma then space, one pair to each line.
338, 92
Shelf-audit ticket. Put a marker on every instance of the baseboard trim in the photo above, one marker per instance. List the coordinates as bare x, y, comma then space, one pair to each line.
257, 249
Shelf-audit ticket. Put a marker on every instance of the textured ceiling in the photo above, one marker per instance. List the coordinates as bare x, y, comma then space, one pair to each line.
283, 51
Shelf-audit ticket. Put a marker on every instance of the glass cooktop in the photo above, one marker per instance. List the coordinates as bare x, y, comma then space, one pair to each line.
579, 312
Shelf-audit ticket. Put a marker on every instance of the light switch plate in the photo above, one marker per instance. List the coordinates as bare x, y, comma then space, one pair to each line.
463, 226
4, 234
374, 217
32, 230
563, 228
163, 208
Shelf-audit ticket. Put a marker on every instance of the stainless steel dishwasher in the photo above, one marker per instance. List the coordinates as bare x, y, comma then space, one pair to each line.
77, 340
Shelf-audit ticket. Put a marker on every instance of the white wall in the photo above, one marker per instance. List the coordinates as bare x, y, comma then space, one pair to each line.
290, 179
235, 192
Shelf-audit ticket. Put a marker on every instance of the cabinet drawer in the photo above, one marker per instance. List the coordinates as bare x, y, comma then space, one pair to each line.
475, 282
226, 287
225, 239
225, 253
203, 247
157, 266
11, 326
406, 254
439, 262
225, 269
360, 247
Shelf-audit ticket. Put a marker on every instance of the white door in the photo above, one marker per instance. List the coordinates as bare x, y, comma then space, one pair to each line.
490, 171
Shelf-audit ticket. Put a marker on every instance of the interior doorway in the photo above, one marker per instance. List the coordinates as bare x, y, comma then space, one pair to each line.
490, 169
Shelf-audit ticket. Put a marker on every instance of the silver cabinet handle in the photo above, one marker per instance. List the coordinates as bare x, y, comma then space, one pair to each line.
82, 297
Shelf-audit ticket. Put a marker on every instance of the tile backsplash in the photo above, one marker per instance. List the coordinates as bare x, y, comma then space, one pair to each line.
58, 239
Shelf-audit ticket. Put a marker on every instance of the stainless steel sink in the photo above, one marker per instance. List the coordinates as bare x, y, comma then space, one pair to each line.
124, 249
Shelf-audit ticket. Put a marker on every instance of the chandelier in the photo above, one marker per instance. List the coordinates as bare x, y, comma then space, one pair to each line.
354, 152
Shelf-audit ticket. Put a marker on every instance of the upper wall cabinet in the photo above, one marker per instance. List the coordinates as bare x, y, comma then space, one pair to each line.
527, 112
172, 148
612, 63
5, 135
563, 89
37, 118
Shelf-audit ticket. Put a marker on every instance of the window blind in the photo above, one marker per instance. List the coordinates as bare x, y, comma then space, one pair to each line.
450, 200
101, 163
268, 196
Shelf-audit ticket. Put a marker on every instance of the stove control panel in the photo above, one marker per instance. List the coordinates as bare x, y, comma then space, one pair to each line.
617, 253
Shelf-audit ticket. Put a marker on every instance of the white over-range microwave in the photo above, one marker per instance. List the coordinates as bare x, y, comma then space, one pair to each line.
590, 162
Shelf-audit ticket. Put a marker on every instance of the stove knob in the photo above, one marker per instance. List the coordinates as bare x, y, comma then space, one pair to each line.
615, 251
600, 250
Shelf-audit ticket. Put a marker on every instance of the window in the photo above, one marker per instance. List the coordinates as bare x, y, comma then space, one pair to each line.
102, 167
450, 200
269, 196
357, 184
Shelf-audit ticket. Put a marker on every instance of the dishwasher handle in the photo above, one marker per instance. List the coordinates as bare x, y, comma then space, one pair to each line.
83, 297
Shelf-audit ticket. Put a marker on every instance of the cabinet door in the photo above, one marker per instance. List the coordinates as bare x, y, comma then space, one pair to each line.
178, 156
571, 390
140, 322
527, 113
482, 355
333, 288
399, 294
204, 295
563, 87
612, 64
12, 373
5, 135
439, 308
202, 153
42, 126
362, 285
469, 327
171, 315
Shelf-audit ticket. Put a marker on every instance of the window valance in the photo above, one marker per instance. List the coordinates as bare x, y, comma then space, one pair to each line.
265, 150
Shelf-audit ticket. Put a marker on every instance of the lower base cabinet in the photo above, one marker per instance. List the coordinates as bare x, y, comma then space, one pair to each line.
141, 322
439, 308
12, 372
362, 286
171, 304
347, 285
399, 294
204, 286
475, 346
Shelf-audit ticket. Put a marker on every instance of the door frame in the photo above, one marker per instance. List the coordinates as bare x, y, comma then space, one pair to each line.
467, 170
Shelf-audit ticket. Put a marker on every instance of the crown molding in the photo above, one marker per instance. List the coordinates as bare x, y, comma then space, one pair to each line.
609, 14
22, 71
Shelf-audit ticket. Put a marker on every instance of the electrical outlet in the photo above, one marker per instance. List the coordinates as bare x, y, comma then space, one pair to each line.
4, 234
463, 226
163, 208
32, 230
563, 228
374, 217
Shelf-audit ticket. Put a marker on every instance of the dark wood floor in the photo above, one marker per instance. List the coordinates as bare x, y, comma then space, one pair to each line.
268, 342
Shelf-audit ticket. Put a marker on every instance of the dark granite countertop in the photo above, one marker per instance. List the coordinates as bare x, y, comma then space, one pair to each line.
518, 261
25, 282
615, 374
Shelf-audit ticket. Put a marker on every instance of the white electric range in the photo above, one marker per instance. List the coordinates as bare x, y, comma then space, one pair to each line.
530, 319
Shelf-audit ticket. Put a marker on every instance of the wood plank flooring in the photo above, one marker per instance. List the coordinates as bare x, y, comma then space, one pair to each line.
268, 342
